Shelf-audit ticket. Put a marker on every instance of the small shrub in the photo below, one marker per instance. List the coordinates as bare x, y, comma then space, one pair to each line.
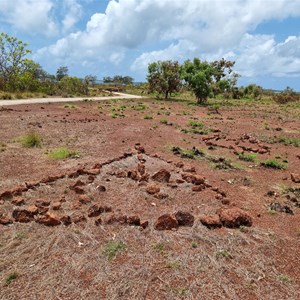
111, 248
11, 277
188, 153
196, 124
222, 253
274, 164
159, 247
148, 117
284, 278
31, 140
164, 121
288, 141
72, 106
247, 157
62, 153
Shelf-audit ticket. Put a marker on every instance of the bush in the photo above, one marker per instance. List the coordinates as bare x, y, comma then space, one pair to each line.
62, 153
286, 96
31, 140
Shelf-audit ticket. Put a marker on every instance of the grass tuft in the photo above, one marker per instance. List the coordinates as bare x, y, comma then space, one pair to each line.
31, 140
11, 277
62, 153
111, 248
274, 164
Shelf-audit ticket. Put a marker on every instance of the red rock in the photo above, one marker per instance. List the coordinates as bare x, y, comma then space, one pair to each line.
189, 170
198, 188
56, 205
93, 171
76, 205
234, 217
66, 220
6, 195
145, 177
179, 181
79, 219
133, 174
49, 219
144, 224
18, 201
84, 199
139, 148
193, 178
152, 189
162, 196
295, 177
78, 190
101, 188
166, 222
98, 222
134, 220
121, 174
18, 190
42, 203
212, 221
141, 168
179, 164
32, 184
161, 176
95, 210
5, 220
184, 218
25, 215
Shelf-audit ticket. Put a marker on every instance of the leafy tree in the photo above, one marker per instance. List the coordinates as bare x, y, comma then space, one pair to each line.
107, 79
204, 77
118, 79
62, 72
90, 79
12, 60
164, 77
199, 76
72, 86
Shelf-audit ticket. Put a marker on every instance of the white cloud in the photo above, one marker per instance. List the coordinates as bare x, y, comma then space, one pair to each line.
31, 16
73, 13
181, 29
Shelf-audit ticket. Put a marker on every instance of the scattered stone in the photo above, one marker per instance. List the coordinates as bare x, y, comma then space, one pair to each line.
98, 222
198, 188
49, 219
79, 219
133, 174
66, 220
134, 220
6, 195
78, 190
189, 170
152, 189
144, 224
5, 220
84, 199
179, 164
161, 176
76, 205
93, 171
295, 177
162, 196
280, 208
101, 188
56, 205
184, 218
166, 222
141, 168
179, 181
234, 217
76, 184
42, 203
25, 215
211, 221
193, 178
95, 210
121, 174
225, 201
139, 148
145, 177
18, 201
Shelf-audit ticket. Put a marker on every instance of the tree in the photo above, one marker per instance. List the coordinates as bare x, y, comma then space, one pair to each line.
204, 77
62, 72
12, 59
164, 77
90, 79
199, 76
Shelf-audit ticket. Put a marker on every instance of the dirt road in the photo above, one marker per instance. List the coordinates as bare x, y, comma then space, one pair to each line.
76, 99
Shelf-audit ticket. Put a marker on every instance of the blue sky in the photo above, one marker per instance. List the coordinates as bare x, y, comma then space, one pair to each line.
110, 37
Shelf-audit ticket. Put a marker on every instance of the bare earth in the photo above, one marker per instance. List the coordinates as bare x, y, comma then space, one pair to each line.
86, 227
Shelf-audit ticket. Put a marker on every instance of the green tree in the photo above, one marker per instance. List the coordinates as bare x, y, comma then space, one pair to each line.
72, 86
199, 76
12, 60
62, 72
164, 77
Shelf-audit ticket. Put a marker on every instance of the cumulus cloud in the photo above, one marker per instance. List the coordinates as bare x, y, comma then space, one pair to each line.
31, 16
73, 13
182, 29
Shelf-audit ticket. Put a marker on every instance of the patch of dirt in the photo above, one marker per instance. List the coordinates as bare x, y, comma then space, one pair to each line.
131, 219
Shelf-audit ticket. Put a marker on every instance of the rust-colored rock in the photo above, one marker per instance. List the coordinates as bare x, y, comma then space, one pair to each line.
98, 222
184, 218
234, 217
95, 171
211, 222
6, 195
94, 211
66, 220
295, 177
101, 188
5, 220
84, 199
141, 168
79, 219
152, 189
139, 148
189, 170
198, 188
162, 176
25, 215
134, 220
56, 205
133, 174
166, 222
144, 224
193, 178
42, 203
121, 174
49, 219
18, 201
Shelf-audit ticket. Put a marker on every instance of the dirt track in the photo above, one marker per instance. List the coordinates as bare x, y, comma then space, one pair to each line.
57, 100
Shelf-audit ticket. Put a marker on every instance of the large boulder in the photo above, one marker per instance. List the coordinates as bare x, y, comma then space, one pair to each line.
166, 222
184, 218
162, 176
49, 219
234, 217
211, 221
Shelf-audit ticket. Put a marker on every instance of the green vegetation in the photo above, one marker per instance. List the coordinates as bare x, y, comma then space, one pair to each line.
72, 106
222, 253
111, 248
274, 164
159, 247
62, 153
188, 153
31, 140
147, 117
11, 277
288, 141
251, 157
196, 124
284, 278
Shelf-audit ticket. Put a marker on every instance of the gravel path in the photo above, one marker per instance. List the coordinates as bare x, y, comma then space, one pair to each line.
75, 99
